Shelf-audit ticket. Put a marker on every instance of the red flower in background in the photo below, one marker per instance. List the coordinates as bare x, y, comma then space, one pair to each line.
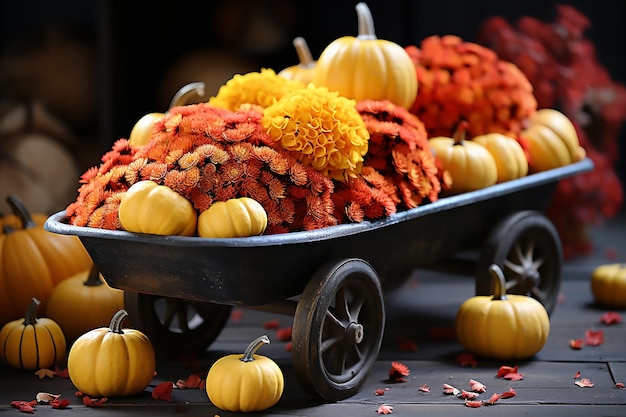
562, 66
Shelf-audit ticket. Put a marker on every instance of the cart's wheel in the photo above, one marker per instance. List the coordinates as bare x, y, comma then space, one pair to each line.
528, 248
176, 326
338, 328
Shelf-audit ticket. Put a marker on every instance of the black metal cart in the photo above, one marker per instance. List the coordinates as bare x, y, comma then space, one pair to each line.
180, 290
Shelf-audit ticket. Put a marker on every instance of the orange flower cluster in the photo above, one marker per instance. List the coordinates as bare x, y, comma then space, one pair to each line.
460, 80
399, 169
210, 154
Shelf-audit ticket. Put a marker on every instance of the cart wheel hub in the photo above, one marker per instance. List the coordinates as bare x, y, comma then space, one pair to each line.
530, 280
354, 332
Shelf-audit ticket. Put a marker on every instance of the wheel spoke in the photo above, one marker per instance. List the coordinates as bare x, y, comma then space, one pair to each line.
329, 343
355, 307
171, 310
342, 308
538, 294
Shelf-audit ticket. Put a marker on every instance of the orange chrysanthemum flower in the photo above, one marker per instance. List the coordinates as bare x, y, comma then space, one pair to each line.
399, 151
461, 80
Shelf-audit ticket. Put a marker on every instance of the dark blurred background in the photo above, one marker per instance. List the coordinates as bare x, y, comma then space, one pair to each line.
97, 66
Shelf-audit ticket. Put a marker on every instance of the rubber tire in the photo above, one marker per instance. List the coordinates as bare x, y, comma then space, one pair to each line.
166, 321
336, 371
527, 247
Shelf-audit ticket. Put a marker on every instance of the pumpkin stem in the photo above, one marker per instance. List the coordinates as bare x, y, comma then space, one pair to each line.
186, 91
303, 51
30, 319
460, 134
21, 211
116, 322
366, 22
248, 354
499, 283
93, 279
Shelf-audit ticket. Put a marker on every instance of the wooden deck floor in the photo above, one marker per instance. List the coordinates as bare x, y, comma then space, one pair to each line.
422, 312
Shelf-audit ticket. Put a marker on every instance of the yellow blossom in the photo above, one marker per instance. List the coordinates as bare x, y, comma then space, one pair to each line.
261, 88
321, 129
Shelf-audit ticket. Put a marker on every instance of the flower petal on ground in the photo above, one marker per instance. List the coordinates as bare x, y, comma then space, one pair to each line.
576, 343
584, 383
450, 390
594, 337
163, 391
477, 386
506, 370
508, 394
385, 409
610, 317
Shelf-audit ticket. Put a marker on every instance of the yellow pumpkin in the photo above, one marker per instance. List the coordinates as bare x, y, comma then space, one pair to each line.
148, 207
31, 343
83, 302
608, 285
511, 161
112, 362
469, 165
236, 217
245, 383
502, 326
142, 130
305, 70
33, 261
365, 67
552, 141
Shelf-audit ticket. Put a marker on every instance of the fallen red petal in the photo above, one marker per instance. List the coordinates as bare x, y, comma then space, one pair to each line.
450, 390
192, 381
584, 383
425, 388
236, 315
379, 392
577, 375
513, 376
60, 403
506, 370
94, 402
492, 400
610, 317
508, 394
284, 334
576, 343
473, 404
289, 346
163, 391
469, 395
594, 337
385, 409
477, 386
62, 373
620, 385
271, 324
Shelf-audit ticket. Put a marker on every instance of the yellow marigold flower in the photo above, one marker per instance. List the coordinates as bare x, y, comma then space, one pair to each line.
321, 129
260, 88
